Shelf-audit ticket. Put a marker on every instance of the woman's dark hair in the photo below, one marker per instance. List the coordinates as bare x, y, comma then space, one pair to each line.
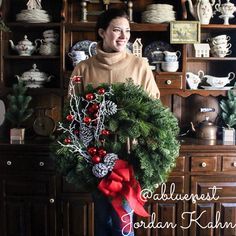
106, 17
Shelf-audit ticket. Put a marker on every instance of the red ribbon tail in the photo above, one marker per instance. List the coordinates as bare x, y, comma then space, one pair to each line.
133, 198
126, 218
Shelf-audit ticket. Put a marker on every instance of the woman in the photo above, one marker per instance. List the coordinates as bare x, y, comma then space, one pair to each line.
113, 64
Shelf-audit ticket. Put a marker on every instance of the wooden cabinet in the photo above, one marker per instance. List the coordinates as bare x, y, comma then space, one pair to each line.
212, 172
67, 22
34, 200
28, 191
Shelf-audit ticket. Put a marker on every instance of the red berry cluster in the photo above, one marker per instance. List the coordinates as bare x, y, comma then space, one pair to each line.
76, 78
93, 107
92, 110
97, 154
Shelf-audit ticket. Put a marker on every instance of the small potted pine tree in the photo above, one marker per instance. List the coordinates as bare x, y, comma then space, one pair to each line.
18, 111
228, 115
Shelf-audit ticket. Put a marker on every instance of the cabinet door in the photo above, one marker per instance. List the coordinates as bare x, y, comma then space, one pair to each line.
165, 219
77, 216
28, 206
213, 217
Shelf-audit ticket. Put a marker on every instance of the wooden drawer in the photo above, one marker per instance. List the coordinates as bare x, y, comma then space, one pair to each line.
206, 163
169, 81
229, 163
20, 163
225, 186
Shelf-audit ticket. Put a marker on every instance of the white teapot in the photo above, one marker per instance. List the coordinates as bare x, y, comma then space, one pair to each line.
34, 78
24, 47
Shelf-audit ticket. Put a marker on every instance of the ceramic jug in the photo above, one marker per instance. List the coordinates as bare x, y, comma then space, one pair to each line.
202, 10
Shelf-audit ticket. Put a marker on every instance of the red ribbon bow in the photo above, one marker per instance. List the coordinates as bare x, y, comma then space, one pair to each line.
122, 183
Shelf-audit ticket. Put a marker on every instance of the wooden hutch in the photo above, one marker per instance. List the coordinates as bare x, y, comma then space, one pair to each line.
34, 200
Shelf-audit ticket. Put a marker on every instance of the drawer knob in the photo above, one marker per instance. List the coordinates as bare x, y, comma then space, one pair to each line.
234, 164
203, 164
168, 82
41, 163
51, 200
9, 163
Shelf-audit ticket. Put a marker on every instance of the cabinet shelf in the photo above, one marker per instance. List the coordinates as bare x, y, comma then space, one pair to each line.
135, 27
189, 92
33, 25
14, 57
144, 27
218, 26
192, 59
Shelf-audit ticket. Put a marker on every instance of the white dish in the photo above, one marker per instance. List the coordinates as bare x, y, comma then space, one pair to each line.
215, 88
2, 112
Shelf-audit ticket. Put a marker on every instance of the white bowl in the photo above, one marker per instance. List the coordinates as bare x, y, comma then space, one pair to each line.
172, 66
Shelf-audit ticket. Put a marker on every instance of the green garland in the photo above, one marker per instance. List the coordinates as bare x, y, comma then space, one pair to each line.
151, 126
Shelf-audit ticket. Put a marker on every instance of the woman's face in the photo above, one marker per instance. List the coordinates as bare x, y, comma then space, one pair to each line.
116, 36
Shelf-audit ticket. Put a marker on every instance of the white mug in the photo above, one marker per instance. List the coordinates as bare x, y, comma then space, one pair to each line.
223, 38
222, 47
49, 33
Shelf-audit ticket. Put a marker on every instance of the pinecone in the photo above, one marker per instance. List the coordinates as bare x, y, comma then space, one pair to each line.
109, 160
100, 170
111, 108
85, 135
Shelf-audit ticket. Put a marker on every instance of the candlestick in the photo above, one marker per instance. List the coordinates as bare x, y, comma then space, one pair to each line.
130, 10
84, 11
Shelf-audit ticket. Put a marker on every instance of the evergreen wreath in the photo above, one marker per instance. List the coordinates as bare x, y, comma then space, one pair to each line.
111, 122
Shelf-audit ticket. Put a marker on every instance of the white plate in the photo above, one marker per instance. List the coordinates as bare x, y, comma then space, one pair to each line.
2, 112
215, 88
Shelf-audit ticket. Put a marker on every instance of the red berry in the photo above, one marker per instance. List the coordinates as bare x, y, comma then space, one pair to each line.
95, 106
92, 150
102, 152
67, 140
95, 115
105, 132
101, 90
96, 159
70, 117
76, 131
89, 96
77, 78
87, 119
90, 110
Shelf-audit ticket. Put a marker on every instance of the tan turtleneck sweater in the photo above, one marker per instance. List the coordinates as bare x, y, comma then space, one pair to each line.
116, 68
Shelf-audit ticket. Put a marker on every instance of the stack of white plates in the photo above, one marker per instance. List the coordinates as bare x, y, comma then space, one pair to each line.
33, 16
158, 13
